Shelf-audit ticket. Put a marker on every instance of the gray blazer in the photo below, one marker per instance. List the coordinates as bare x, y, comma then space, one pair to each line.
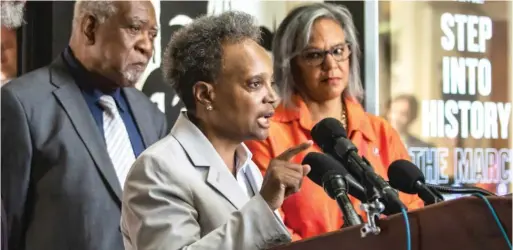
58, 183
180, 195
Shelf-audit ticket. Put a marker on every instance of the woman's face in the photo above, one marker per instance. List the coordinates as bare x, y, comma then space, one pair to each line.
321, 71
243, 98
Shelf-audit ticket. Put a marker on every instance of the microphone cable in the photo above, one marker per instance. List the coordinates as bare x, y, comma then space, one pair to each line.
503, 231
408, 232
460, 190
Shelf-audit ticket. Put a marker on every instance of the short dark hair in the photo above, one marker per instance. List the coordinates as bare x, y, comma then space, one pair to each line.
195, 51
413, 105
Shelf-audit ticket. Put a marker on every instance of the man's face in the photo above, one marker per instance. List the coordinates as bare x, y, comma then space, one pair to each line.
399, 115
123, 44
12, 13
8, 54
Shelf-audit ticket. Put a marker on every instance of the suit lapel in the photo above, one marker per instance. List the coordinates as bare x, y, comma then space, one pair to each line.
70, 97
141, 116
202, 154
226, 185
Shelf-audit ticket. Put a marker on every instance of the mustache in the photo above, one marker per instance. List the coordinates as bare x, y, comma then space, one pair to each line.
12, 14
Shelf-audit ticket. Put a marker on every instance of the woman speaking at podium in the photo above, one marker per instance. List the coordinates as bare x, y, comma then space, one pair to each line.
316, 66
198, 188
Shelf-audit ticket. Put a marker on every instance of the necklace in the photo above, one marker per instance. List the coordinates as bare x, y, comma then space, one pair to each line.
343, 118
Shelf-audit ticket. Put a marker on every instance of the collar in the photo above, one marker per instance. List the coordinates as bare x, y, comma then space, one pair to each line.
242, 158
357, 118
198, 146
203, 154
84, 78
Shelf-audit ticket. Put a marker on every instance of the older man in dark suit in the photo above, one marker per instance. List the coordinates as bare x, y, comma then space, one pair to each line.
11, 14
71, 131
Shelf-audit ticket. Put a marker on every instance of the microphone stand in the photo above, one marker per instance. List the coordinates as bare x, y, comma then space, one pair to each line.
373, 208
339, 193
429, 196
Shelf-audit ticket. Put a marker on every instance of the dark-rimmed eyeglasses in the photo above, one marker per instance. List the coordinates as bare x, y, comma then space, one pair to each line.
316, 57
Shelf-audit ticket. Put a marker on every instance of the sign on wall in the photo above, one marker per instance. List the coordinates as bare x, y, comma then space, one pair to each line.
175, 14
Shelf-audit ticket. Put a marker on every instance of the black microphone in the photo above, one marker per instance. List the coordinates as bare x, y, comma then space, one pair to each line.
332, 138
407, 177
329, 174
353, 186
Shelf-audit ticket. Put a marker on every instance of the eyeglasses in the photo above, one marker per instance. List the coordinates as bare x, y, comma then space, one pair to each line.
316, 57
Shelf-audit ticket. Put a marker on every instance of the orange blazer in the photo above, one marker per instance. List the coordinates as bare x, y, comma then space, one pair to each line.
311, 211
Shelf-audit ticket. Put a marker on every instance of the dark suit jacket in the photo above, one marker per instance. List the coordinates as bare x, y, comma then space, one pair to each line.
4, 227
58, 183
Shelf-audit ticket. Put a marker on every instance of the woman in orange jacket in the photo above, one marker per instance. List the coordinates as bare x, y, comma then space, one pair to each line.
316, 66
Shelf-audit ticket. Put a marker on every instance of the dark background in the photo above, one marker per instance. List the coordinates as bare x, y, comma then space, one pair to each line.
48, 28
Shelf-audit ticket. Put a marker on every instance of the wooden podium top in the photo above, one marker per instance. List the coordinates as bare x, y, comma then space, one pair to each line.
460, 224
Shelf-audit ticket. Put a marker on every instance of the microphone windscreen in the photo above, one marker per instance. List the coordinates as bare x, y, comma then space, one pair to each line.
326, 131
403, 175
322, 164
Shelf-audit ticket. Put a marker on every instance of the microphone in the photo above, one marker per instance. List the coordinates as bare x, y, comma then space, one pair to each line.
329, 174
407, 177
353, 186
332, 138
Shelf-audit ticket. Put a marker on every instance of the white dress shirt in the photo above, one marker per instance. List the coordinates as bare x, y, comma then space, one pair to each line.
244, 177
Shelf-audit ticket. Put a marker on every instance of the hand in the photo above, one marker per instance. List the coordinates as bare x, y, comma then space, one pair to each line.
282, 177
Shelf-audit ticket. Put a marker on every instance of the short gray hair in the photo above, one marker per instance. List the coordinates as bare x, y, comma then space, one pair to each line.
195, 52
11, 14
102, 10
293, 35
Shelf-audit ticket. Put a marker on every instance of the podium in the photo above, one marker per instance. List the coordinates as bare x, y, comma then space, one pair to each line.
460, 224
